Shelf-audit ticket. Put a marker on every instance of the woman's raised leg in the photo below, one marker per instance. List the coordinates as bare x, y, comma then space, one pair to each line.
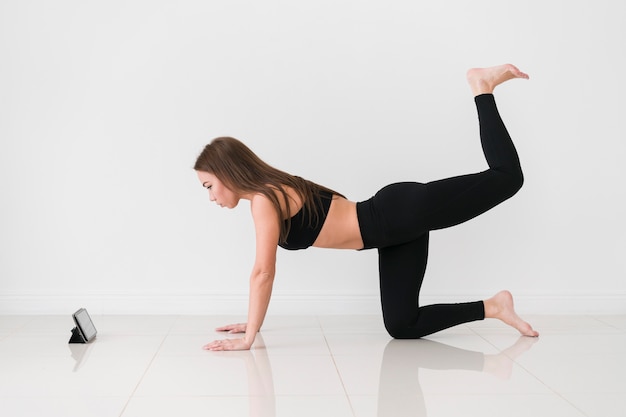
452, 201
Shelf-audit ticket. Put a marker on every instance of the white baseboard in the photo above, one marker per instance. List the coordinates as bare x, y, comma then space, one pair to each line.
284, 304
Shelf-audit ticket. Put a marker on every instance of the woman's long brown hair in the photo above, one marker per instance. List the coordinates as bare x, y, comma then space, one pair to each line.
243, 171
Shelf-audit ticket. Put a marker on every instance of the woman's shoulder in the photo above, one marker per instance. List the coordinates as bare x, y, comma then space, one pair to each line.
261, 201
263, 209
289, 202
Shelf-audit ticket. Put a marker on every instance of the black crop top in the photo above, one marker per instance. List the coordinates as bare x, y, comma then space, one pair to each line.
301, 235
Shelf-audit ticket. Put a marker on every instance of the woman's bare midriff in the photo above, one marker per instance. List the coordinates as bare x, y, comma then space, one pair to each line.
341, 228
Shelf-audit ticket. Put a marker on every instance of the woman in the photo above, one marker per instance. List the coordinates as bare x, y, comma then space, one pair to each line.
293, 213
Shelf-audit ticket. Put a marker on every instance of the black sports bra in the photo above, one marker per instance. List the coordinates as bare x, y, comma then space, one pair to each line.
301, 235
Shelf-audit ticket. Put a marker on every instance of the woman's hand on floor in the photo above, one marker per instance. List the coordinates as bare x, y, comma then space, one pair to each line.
233, 328
228, 344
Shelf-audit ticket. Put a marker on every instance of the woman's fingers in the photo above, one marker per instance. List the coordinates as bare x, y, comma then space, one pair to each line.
233, 328
227, 344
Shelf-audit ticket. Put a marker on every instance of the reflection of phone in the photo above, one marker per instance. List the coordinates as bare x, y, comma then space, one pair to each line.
80, 353
84, 325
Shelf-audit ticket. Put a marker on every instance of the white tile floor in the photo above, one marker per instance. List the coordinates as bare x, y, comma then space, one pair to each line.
312, 366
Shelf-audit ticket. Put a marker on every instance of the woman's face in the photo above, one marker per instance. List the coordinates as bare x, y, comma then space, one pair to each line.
218, 192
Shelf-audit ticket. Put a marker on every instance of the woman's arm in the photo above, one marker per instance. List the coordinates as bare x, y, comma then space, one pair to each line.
262, 277
267, 231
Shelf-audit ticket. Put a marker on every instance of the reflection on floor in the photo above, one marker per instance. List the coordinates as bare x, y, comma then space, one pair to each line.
311, 366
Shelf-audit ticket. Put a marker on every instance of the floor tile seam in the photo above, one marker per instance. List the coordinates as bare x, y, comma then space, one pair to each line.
482, 337
499, 349
319, 323
550, 388
535, 377
491, 394
173, 324
570, 403
513, 359
144, 396
343, 385
132, 394
622, 330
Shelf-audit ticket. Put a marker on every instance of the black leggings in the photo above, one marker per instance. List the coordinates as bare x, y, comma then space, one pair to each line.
397, 221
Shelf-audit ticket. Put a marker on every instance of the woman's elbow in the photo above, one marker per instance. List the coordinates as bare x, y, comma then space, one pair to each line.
263, 274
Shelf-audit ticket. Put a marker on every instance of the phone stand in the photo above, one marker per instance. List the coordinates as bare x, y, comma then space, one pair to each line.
76, 336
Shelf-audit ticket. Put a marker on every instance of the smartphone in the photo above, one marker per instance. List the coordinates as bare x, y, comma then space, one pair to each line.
84, 324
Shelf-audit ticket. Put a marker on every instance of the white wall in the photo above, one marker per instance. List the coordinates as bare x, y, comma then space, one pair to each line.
105, 105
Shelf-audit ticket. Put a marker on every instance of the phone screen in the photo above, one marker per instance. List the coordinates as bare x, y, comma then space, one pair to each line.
84, 323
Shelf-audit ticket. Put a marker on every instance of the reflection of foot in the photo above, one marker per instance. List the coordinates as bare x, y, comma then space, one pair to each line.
500, 306
484, 80
522, 345
501, 365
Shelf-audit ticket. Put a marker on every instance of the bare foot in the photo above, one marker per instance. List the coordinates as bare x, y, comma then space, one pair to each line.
485, 80
500, 306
